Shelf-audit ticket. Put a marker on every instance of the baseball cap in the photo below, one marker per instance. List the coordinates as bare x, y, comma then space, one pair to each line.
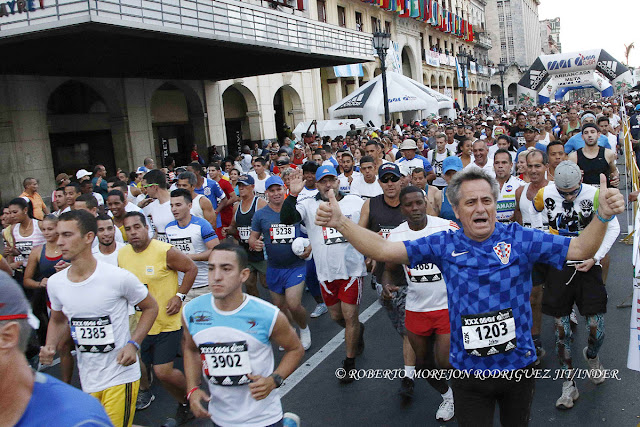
348, 153
246, 180
61, 177
489, 118
408, 144
531, 128
82, 173
13, 303
298, 146
567, 175
325, 170
451, 163
282, 162
637, 107
273, 180
391, 168
141, 169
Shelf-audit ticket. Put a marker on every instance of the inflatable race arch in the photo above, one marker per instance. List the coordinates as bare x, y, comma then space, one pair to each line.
552, 76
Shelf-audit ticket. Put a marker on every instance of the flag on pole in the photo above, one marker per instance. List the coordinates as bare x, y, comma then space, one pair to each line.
406, 8
415, 9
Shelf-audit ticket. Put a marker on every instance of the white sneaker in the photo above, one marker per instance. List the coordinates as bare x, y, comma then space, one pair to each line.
446, 410
569, 395
290, 420
320, 309
305, 338
596, 370
573, 317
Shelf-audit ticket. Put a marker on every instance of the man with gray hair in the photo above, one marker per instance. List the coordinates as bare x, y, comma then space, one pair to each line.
34, 399
487, 268
481, 158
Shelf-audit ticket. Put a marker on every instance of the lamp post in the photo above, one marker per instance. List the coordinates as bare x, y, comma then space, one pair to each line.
463, 61
501, 69
381, 41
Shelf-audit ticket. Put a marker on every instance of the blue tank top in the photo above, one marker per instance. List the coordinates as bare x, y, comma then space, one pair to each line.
446, 211
46, 268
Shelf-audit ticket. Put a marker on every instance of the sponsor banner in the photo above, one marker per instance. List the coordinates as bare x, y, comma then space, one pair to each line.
443, 59
609, 67
535, 77
573, 79
358, 100
452, 61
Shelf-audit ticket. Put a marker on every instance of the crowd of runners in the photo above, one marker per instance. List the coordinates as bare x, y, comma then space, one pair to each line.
470, 229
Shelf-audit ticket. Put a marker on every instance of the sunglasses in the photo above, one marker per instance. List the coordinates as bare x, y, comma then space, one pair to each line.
387, 178
569, 193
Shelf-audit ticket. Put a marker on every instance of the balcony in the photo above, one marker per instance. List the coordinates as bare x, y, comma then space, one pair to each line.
199, 39
482, 39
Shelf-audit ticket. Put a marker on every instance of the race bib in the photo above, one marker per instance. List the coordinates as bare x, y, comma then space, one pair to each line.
183, 244
244, 233
521, 141
25, 248
92, 334
384, 231
490, 333
226, 363
332, 236
162, 237
423, 273
281, 233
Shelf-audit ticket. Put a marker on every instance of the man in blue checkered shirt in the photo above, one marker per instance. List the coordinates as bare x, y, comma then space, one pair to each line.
487, 267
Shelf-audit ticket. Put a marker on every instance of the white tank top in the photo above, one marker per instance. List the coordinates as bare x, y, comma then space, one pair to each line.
196, 209
531, 218
26, 244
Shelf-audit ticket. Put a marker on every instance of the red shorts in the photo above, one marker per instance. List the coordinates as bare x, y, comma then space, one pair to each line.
345, 290
428, 322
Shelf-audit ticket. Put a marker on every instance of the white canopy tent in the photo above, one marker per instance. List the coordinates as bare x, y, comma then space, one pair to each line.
405, 95
331, 128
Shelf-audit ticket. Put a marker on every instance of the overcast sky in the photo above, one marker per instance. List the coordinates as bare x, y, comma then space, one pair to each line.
601, 24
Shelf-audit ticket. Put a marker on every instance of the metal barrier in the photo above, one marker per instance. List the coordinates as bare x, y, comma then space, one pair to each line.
226, 20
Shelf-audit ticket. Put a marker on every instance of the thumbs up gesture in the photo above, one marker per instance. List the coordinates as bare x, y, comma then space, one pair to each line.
611, 201
329, 213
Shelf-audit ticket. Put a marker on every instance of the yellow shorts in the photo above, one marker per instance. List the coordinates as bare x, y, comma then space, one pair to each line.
119, 402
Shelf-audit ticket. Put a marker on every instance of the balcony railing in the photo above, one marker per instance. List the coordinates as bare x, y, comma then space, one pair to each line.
483, 39
222, 20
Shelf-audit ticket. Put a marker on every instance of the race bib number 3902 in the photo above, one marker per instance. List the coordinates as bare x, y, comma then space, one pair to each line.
92, 334
490, 333
226, 363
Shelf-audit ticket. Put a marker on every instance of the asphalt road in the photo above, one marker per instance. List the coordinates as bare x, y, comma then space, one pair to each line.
320, 400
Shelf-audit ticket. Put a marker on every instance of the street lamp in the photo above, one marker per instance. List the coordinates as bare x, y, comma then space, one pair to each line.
501, 69
381, 41
463, 61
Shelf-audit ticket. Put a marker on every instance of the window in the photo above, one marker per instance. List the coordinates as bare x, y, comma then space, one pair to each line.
359, 21
374, 24
387, 27
322, 10
424, 55
342, 17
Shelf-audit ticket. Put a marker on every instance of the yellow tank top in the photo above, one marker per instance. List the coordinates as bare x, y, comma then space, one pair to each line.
124, 233
150, 267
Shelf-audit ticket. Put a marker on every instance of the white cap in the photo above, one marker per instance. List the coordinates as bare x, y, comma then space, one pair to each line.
484, 124
489, 118
82, 173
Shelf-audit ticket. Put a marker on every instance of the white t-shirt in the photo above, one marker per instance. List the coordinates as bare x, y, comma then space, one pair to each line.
363, 189
613, 142
307, 194
344, 181
488, 167
158, 216
112, 258
259, 188
507, 200
452, 147
614, 120
427, 290
335, 258
436, 163
97, 311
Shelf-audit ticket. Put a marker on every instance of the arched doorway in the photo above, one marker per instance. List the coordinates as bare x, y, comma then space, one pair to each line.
241, 117
79, 129
434, 82
288, 111
407, 67
448, 88
171, 122
512, 94
441, 84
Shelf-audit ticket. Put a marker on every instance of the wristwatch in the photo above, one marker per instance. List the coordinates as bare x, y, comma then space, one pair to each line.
276, 379
181, 296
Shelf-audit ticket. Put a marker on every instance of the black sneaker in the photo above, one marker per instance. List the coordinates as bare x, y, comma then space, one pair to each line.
145, 397
184, 414
406, 388
360, 349
349, 367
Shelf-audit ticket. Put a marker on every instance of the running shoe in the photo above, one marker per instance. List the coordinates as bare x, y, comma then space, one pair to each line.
349, 368
320, 309
361, 340
406, 388
569, 395
596, 370
145, 397
540, 353
446, 410
184, 414
290, 420
305, 338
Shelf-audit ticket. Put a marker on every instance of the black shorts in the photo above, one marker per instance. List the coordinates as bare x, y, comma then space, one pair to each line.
585, 289
539, 273
162, 348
